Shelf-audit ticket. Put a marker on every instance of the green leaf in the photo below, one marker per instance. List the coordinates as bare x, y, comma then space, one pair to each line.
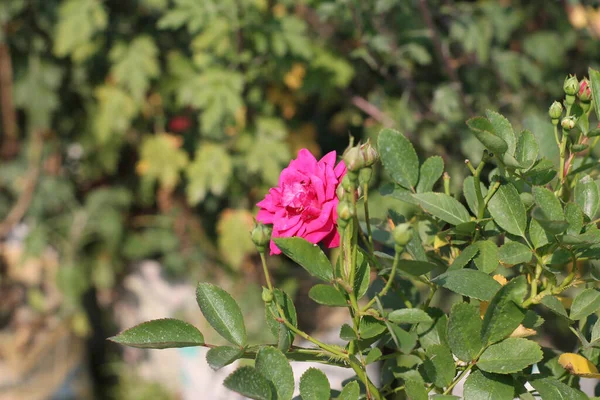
210, 172
233, 240
527, 149
584, 304
504, 313
164, 159
552, 389
484, 131
509, 356
444, 207
513, 253
347, 333
415, 390
487, 259
309, 256
436, 332
548, 203
78, 22
314, 385
554, 305
218, 357
415, 268
431, 171
327, 295
464, 257
439, 365
274, 366
362, 276
469, 282
248, 382
485, 386
404, 341
464, 331
160, 334
350, 392
553, 227
574, 217
503, 129
595, 86
508, 210
409, 316
470, 196
398, 157
222, 313
538, 235
595, 336
278, 329
370, 327
541, 173
587, 196
373, 355
139, 55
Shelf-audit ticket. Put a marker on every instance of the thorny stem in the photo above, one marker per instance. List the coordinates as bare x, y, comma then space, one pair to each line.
366, 205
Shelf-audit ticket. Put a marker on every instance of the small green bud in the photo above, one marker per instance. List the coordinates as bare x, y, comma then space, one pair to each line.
568, 123
556, 110
364, 176
345, 211
267, 295
354, 159
402, 234
370, 155
347, 184
261, 236
340, 192
576, 148
571, 85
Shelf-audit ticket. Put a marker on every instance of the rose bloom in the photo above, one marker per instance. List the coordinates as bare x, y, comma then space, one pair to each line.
304, 202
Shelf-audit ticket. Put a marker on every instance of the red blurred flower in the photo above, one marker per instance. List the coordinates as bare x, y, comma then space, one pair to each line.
179, 123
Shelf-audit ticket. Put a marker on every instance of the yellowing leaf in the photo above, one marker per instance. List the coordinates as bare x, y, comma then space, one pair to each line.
440, 241
78, 22
234, 240
578, 365
162, 160
294, 78
135, 64
501, 279
522, 332
116, 110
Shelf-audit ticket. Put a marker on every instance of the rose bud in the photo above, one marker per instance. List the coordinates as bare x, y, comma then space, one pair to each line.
402, 234
267, 295
555, 110
585, 91
571, 85
369, 153
354, 159
261, 236
345, 210
568, 123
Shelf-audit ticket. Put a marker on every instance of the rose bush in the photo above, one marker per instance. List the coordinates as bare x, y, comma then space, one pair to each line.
444, 292
304, 202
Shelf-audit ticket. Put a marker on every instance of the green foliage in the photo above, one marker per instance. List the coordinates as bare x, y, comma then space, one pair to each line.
222, 313
161, 334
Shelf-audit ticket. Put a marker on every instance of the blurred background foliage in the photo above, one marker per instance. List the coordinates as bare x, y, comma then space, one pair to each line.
148, 129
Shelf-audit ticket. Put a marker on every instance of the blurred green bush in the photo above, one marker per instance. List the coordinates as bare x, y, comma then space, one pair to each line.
150, 128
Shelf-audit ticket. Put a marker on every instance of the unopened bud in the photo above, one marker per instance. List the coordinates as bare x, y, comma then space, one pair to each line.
571, 85
261, 236
345, 211
267, 295
370, 155
568, 123
354, 159
364, 176
340, 192
555, 110
347, 184
576, 148
402, 234
585, 91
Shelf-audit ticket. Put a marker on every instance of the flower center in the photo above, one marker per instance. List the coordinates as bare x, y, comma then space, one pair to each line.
297, 196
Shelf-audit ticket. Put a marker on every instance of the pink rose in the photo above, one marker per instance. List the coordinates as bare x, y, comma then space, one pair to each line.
304, 203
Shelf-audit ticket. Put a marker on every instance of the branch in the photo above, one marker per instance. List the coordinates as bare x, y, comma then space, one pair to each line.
442, 54
7, 108
22, 204
372, 110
